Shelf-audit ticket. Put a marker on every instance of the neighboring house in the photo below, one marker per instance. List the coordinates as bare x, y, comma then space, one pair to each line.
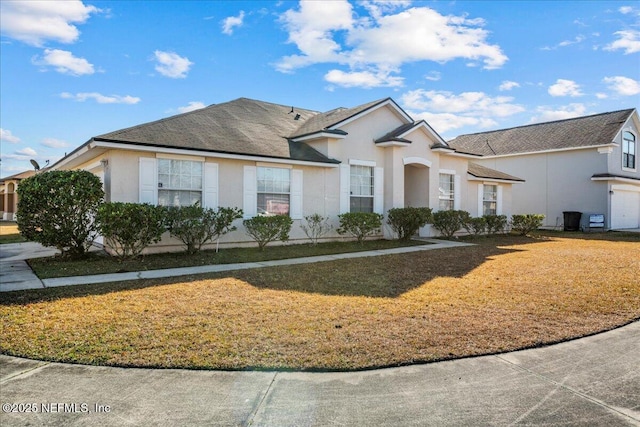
587, 164
270, 159
9, 195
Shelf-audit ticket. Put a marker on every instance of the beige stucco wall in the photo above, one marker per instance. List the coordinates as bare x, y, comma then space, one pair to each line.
556, 182
411, 175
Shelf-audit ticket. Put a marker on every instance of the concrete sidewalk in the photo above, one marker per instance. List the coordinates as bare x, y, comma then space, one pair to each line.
593, 381
16, 275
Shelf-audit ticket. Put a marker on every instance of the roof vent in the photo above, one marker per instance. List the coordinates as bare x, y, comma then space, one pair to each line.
297, 117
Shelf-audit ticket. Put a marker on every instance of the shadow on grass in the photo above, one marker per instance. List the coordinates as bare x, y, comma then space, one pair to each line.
386, 276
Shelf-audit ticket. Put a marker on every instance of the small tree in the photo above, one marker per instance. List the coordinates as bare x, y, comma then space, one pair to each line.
359, 224
128, 228
525, 224
450, 221
316, 227
406, 222
495, 223
58, 208
194, 225
475, 226
266, 229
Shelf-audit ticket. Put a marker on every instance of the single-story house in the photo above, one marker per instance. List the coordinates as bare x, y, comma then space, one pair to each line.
9, 196
586, 164
269, 159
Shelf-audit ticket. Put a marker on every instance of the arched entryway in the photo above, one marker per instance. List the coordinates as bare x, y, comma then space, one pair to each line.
416, 181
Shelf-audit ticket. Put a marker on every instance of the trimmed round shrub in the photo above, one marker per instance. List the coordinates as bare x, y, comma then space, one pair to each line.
360, 224
58, 209
266, 229
450, 221
128, 228
406, 222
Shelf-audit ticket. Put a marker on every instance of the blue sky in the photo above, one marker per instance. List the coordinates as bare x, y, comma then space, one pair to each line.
71, 70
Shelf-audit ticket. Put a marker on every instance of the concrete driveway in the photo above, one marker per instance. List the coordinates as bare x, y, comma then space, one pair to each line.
593, 381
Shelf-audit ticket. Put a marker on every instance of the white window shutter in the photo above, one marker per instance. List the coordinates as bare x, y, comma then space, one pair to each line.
295, 208
250, 189
345, 189
210, 186
148, 181
499, 201
378, 190
456, 192
480, 199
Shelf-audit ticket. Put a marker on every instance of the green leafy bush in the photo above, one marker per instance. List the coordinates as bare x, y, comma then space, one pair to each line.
128, 228
316, 227
525, 224
194, 225
448, 222
496, 223
58, 208
406, 222
359, 224
266, 229
475, 226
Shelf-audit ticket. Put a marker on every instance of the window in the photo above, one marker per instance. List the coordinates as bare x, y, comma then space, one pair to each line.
362, 189
179, 182
274, 191
490, 200
446, 192
628, 150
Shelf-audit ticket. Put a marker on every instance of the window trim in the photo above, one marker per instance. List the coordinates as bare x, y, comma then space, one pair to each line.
169, 188
635, 150
452, 199
499, 192
250, 190
148, 180
283, 193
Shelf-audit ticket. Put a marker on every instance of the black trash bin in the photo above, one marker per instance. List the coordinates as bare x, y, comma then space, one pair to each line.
572, 220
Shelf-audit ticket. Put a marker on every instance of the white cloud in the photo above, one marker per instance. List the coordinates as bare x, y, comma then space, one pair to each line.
629, 41
433, 76
7, 136
192, 106
564, 87
172, 65
625, 10
383, 40
35, 22
28, 151
565, 43
364, 79
64, 62
601, 95
54, 143
101, 99
546, 114
446, 111
623, 85
229, 23
508, 85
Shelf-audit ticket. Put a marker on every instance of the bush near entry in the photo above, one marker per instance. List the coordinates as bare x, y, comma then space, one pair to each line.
406, 222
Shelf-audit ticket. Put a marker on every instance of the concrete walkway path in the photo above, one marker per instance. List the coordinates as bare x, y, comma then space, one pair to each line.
16, 274
593, 381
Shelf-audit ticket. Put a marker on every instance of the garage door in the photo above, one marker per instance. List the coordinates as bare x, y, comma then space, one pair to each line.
625, 209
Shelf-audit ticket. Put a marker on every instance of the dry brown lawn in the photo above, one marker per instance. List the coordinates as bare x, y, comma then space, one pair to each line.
505, 293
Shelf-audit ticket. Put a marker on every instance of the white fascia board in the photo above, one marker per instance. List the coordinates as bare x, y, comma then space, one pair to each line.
152, 149
65, 160
616, 179
318, 135
393, 144
430, 131
372, 109
450, 152
492, 180
555, 150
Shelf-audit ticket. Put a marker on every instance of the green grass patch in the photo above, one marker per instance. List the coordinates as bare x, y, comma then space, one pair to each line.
99, 263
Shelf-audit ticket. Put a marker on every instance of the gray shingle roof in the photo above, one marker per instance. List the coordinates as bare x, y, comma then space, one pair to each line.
488, 173
323, 121
242, 126
579, 132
